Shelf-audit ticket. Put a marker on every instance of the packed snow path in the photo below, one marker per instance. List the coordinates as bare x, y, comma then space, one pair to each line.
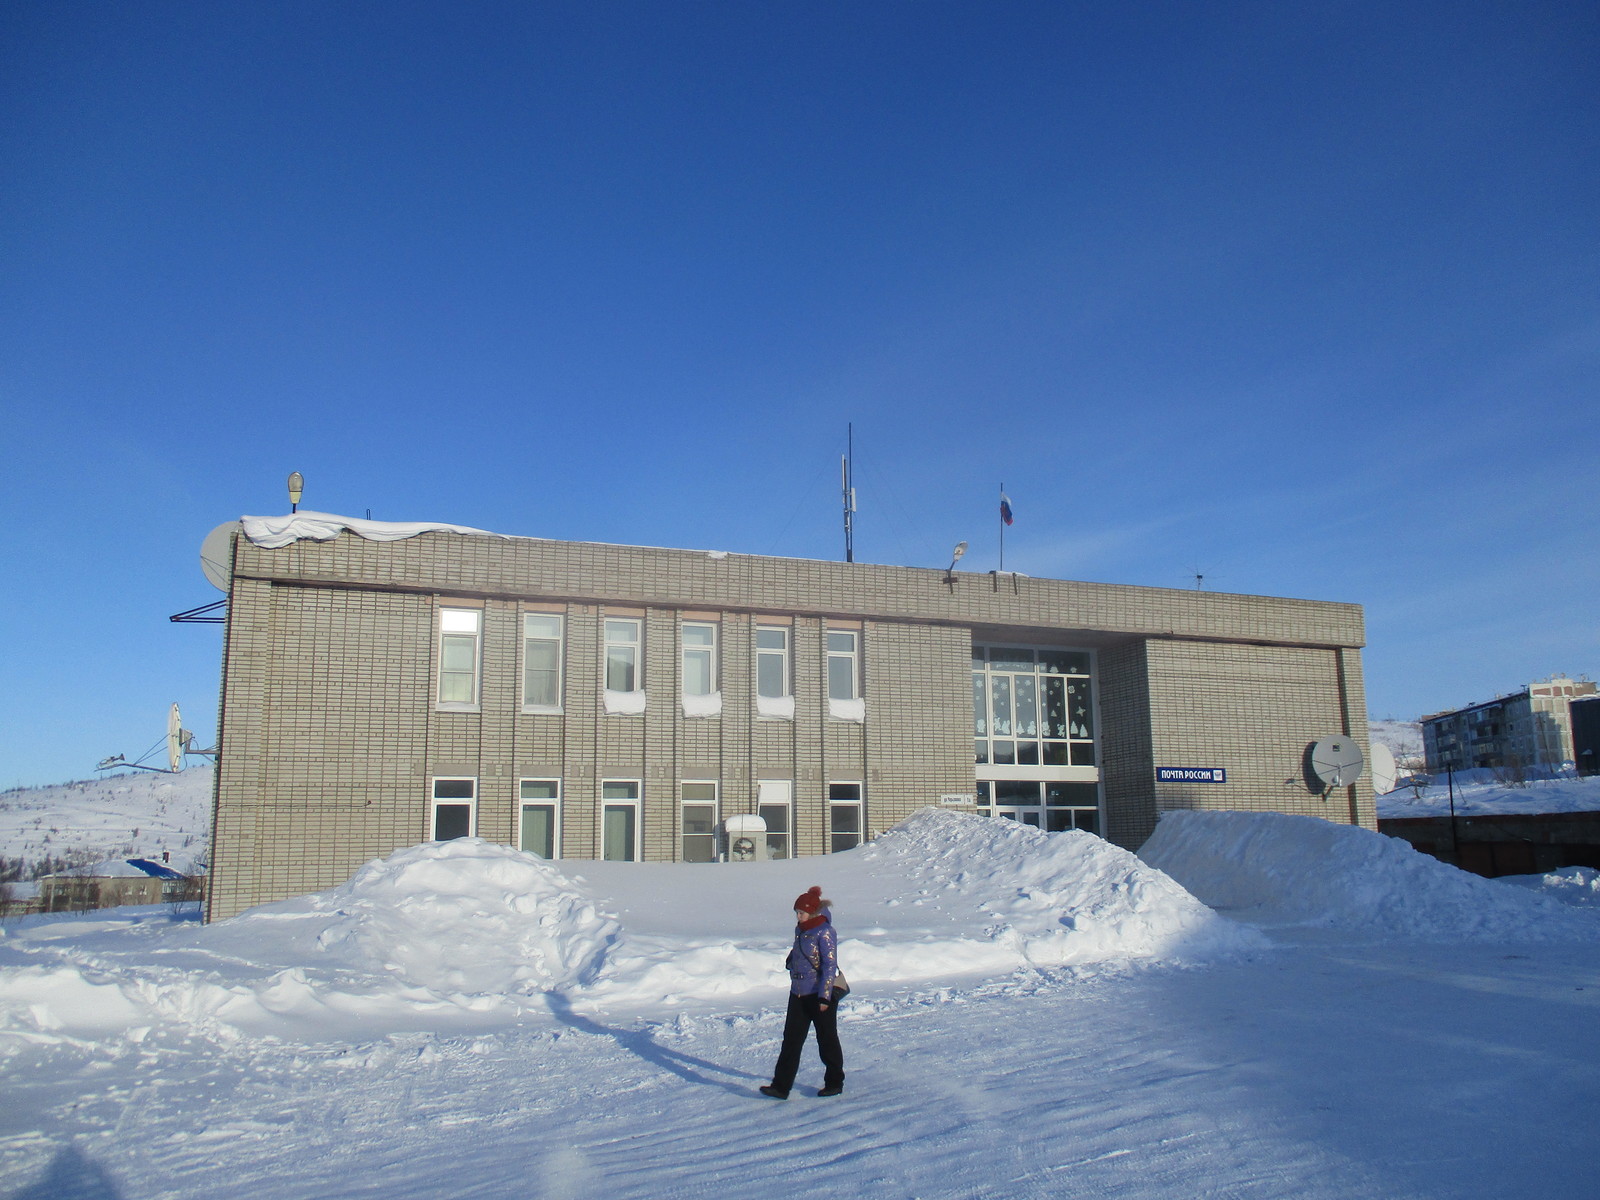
1322, 1070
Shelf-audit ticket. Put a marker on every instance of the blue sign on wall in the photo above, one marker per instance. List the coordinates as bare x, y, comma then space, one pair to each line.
1191, 775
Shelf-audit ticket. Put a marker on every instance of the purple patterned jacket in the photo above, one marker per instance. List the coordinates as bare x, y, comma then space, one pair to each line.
814, 961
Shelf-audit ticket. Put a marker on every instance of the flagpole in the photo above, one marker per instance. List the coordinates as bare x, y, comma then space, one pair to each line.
1002, 528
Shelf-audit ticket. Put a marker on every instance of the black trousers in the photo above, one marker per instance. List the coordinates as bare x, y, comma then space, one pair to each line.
803, 1014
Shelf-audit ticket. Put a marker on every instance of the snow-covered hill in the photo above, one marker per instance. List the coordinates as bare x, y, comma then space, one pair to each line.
135, 815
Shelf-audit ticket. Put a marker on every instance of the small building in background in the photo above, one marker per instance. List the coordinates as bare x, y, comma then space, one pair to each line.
116, 882
1527, 729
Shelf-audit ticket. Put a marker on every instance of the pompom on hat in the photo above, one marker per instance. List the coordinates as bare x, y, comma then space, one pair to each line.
811, 902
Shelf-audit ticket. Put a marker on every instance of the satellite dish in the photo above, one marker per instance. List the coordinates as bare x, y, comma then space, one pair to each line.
1334, 762
1383, 769
216, 555
174, 740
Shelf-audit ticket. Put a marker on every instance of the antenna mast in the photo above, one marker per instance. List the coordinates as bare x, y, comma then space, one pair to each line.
846, 469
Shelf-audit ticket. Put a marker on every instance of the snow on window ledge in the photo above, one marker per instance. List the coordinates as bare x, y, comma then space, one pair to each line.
848, 710
709, 705
624, 703
775, 708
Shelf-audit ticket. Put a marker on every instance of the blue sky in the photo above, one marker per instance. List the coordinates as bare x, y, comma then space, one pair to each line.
1301, 296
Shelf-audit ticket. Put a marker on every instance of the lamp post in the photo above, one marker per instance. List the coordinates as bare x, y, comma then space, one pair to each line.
297, 485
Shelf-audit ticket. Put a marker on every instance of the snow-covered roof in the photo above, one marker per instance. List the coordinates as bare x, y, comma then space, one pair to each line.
276, 532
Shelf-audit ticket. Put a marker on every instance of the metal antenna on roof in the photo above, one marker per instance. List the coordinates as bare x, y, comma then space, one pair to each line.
846, 470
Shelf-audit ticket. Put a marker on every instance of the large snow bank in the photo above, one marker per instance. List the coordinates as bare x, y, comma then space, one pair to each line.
942, 895
1305, 870
1053, 898
466, 916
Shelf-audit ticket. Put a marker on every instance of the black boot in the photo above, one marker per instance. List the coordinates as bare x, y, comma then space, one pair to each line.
766, 1089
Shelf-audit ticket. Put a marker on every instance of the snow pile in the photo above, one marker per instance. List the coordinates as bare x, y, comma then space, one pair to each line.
1579, 886
1304, 870
466, 916
1054, 898
942, 895
276, 532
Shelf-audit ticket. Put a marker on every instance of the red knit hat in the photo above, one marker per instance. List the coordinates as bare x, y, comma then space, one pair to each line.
811, 902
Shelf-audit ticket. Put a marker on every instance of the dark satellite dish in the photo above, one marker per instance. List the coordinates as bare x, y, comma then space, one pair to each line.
1333, 762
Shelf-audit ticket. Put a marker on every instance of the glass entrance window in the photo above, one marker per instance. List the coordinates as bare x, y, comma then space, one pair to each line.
1032, 707
1051, 805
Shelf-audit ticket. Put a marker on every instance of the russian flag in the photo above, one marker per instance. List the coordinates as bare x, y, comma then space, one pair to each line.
1005, 508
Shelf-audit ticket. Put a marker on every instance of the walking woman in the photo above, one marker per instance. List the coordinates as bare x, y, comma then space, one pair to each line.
813, 975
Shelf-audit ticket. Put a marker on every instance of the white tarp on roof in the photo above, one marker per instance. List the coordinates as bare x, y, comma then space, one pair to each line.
277, 532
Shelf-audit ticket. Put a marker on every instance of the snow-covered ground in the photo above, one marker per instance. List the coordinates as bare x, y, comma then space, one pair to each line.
1034, 1015
1480, 793
134, 815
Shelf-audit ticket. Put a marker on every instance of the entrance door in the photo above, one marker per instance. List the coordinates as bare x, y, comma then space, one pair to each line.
1027, 814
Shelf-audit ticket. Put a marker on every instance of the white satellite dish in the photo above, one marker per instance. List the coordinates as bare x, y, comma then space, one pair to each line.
216, 555
1383, 769
175, 740
1335, 762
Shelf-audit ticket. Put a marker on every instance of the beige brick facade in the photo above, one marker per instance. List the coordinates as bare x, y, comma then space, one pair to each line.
332, 730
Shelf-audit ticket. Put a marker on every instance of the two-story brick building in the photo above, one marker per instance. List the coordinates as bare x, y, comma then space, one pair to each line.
388, 684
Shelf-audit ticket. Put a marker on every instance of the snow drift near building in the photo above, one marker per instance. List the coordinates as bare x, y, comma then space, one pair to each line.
466, 916
470, 933
1304, 870
942, 895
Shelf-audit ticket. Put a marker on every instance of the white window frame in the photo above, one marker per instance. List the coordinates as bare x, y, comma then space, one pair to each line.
636, 644
858, 803
853, 655
446, 614
436, 800
707, 650
636, 803
777, 793
715, 804
551, 802
786, 676
560, 640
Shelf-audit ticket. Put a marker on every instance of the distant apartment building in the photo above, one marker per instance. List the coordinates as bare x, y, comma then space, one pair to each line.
1530, 728
386, 684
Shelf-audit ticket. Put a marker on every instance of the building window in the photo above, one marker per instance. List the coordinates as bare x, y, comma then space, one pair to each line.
541, 662
1032, 707
699, 822
699, 658
460, 632
455, 808
773, 805
844, 817
539, 821
844, 664
619, 821
623, 638
772, 661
